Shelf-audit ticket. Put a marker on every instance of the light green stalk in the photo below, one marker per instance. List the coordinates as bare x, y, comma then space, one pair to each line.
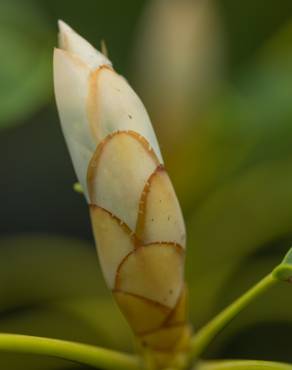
242, 365
81, 353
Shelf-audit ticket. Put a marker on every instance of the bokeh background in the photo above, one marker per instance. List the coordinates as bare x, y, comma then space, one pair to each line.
216, 78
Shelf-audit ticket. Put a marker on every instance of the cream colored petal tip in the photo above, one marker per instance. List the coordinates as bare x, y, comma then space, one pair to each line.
72, 42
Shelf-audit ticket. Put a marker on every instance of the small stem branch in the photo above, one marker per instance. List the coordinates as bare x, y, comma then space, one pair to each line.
208, 332
81, 353
242, 365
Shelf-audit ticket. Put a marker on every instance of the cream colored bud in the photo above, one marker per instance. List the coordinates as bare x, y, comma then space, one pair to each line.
93, 100
136, 218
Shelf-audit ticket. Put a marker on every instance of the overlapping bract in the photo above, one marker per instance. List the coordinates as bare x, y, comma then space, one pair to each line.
137, 221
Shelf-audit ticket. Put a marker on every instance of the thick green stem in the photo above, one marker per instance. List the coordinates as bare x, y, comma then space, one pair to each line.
242, 365
208, 332
81, 353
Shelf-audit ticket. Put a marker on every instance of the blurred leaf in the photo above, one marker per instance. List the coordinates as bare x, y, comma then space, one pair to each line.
25, 58
212, 150
11, 361
39, 268
266, 87
249, 24
244, 203
239, 217
250, 122
53, 287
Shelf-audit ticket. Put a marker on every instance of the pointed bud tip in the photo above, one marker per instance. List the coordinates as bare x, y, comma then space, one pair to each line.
71, 41
63, 27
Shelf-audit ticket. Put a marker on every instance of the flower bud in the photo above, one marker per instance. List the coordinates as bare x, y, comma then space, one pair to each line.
136, 218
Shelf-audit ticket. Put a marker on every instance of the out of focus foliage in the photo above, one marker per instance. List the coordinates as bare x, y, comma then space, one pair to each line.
216, 77
25, 39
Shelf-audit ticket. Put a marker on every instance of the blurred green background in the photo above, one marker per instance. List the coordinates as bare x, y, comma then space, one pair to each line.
216, 78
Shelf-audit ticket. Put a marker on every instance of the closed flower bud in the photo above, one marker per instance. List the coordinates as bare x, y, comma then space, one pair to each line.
136, 218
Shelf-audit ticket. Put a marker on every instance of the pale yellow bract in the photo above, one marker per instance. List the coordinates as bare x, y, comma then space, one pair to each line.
136, 218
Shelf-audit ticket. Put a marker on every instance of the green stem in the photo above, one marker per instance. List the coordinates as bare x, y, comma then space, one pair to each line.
209, 331
242, 365
81, 353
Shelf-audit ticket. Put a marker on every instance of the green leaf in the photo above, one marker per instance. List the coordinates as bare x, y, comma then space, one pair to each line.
237, 219
25, 60
240, 206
